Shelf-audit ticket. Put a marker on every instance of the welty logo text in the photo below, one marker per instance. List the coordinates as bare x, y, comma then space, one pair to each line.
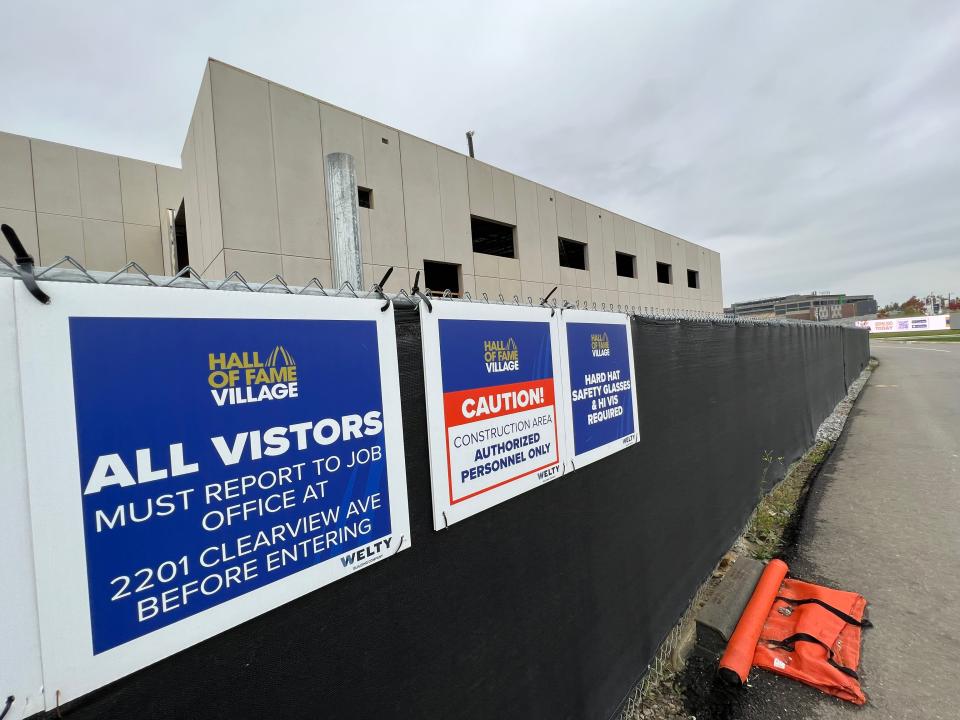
242, 377
501, 356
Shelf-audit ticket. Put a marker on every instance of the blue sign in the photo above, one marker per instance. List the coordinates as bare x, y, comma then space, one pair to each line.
601, 385
217, 456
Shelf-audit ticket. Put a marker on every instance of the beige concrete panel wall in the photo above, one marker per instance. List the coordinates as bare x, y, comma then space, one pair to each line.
60, 235
388, 236
504, 197
25, 223
16, 173
455, 209
202, 185
645, 278
103, 244
510, 289
300, 271
248, 185
609, 250
421, 200
55, 179
488, 285
486, 265
625, 240
170, 193
143, 247
217, 267
679, 268
717, 284
191, 203
532, 291
596, 257
343, 132
564, 215
578, 209
528, 230
255, 267
508, 268
480, 180
549, 254
298, 158
706, 280
138, 192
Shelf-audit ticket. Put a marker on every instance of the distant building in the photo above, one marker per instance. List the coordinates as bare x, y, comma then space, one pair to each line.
814, 306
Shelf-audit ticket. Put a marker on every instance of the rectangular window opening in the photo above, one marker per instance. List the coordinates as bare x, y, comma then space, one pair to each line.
693, 278
493, 238
665, 273
573, 254
441, 276
365, 198
626, 265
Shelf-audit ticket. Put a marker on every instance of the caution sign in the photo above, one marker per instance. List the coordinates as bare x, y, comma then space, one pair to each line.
599, 384
491, 378
198, 458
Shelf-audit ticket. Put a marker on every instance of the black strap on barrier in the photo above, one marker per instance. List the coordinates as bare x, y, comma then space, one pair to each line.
788, 645
544, 301
24, 262
378, 288
849, 619
10, 698
415, 291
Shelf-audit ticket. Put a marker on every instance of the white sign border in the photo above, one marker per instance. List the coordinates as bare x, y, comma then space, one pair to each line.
444, 513
603, 318
69, 665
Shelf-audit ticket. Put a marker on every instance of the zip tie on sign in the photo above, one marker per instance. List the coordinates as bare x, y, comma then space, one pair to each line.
24, 262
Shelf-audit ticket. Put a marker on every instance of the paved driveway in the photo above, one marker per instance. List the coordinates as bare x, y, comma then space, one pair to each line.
884, 520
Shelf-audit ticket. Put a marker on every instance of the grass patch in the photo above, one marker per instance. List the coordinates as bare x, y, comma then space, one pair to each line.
775, 512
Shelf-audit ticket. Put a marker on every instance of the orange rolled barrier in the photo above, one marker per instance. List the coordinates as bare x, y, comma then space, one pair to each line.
738, 657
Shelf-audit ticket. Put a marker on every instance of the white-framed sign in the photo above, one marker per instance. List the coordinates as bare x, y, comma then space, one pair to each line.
599, 381
197, 458
492, 381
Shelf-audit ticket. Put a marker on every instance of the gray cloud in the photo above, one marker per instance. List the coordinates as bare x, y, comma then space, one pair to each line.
815, 144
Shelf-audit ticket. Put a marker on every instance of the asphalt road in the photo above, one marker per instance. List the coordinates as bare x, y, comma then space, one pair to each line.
884, 519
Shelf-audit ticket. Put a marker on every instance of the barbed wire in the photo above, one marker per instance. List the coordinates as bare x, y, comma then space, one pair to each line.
69, 269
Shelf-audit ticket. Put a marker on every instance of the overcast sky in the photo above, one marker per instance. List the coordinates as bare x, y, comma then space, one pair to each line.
815, 145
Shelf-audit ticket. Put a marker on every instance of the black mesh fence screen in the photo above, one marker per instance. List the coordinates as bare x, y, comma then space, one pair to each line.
550, 605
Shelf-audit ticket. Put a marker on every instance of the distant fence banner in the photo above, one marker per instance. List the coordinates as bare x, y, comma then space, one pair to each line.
491, 375
198, 458
599, 384
906, 324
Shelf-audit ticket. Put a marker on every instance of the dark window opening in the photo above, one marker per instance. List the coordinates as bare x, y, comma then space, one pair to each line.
180, 239
492, 238
626, 265
365, 197
573, 254
441, 276
693, 278
664, 273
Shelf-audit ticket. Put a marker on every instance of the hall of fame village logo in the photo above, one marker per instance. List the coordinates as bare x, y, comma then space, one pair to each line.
238, 378
600, 344
501, 355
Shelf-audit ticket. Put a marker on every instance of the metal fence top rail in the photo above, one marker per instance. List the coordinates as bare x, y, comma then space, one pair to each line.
68, 269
